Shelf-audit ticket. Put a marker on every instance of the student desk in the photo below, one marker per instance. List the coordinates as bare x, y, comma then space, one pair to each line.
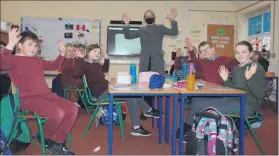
211, 89
145, 92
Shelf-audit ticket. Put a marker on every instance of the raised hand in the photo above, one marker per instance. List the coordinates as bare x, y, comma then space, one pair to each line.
79, 53
13, 38
188, 44
104, 51
126, 18
223, 72
61, 48
250, 71
172, 14
178, 52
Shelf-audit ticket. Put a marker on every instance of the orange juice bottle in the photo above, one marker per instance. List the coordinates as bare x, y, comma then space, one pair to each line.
191, 78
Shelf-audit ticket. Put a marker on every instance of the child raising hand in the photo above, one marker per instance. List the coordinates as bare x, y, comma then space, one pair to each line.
27, 73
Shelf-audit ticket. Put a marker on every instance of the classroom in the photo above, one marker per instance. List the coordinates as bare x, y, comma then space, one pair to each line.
140, 65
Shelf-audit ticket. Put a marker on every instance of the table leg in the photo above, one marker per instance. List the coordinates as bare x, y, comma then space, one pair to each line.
174, 124
110, 136
242, 119
167, 120
158, 108
159, 124
153, 107
181, 124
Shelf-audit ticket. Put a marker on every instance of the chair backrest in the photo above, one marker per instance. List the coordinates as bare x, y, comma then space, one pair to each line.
87, 91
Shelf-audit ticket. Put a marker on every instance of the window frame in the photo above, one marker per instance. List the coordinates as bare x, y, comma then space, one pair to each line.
262, 34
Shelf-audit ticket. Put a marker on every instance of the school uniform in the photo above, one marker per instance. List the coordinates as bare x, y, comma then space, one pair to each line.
67, 78
254, 88
27, 73
94, 73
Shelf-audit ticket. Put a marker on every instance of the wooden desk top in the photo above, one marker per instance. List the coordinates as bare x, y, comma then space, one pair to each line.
145, 89
210, 88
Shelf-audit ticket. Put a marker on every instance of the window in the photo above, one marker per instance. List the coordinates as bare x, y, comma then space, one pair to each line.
259, 28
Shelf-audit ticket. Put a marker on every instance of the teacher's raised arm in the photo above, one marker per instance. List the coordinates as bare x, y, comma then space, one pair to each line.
174, 27
128, 34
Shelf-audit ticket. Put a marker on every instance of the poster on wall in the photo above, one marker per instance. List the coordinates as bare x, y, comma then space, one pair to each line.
195, 34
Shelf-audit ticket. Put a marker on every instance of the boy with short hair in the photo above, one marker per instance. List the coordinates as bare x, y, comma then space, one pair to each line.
27, 73
210, 63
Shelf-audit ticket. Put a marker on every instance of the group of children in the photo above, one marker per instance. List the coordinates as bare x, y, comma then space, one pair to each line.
246, 74
27, 73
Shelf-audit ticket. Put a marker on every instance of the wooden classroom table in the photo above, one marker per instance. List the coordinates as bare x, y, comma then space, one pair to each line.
168, 92
215, 90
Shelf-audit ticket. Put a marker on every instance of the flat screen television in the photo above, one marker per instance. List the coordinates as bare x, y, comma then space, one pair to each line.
118, 46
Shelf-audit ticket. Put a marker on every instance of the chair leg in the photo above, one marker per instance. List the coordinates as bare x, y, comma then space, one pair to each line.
90, 122
254, 136
70, 140
41, 131
121, 122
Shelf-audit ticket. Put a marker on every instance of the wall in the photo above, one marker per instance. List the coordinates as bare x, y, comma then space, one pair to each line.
108, 10
242, 29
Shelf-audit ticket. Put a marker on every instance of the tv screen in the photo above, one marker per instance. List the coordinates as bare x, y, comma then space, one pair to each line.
118, 46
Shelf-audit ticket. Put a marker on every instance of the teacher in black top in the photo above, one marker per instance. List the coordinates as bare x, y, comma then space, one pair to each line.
151, 38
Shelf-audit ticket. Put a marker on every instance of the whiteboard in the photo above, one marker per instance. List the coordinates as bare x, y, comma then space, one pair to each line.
51, 30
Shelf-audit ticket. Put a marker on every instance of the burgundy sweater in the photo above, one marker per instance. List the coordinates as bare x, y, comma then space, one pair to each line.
67, 78
27, 73
94, 73
208, 68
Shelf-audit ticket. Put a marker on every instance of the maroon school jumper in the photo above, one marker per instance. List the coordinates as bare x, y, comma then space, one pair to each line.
94, 73
210, 67
27, 73
67, 78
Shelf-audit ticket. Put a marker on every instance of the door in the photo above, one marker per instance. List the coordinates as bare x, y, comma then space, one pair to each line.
221, 37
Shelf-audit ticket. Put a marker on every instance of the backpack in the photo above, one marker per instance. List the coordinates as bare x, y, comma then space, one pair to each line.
4, 147
104, 119
10, 105
212, 134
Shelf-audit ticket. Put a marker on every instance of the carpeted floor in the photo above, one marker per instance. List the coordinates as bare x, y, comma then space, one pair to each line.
267, 134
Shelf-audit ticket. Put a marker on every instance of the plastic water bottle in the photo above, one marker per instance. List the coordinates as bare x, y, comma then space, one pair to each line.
184, 71
133, 73
191, 78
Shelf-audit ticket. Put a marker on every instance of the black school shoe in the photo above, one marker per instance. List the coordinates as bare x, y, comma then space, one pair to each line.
55, 148
140, 132
58, 148
153, 113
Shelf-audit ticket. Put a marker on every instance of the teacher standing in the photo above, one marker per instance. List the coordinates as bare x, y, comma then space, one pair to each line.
151, 38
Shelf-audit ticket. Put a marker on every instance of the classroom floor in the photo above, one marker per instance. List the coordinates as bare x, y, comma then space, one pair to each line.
267, 134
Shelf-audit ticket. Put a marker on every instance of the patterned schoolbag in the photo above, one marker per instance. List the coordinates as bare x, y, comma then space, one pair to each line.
104, 119
212, 134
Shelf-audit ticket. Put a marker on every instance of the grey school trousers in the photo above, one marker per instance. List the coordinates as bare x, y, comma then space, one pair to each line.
224, 105
133, 104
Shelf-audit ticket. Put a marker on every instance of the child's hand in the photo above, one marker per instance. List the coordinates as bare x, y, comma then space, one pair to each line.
13, 38
178, 52
250, 72
104, 51
189, 44
61, 48
223, 72
79, 53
